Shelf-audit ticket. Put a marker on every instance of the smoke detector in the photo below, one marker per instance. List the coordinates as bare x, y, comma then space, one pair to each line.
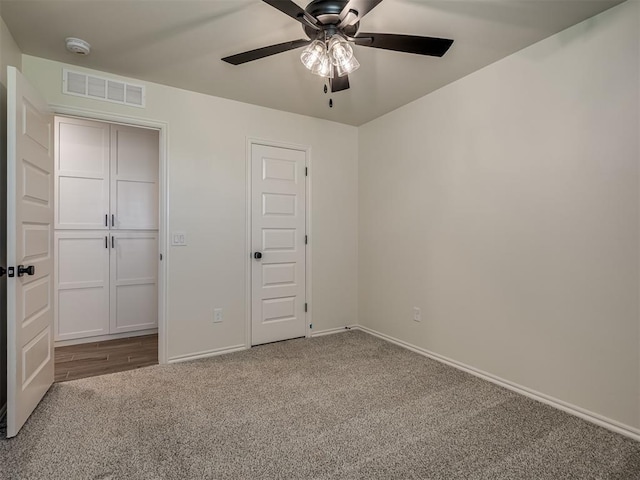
78, 46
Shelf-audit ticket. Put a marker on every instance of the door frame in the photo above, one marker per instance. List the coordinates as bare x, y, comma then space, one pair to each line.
307, 256
163, 207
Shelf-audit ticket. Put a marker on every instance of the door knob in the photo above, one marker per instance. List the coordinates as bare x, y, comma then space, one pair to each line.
257, 255
30, 270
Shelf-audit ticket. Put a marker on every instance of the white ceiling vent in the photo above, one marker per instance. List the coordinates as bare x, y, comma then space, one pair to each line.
101, 88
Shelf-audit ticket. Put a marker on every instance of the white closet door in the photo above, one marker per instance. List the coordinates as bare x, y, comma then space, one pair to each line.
82, 174
82, 279
134, 281
134, 177
278, 234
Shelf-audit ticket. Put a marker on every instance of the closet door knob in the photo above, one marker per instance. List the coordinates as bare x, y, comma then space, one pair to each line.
257, 255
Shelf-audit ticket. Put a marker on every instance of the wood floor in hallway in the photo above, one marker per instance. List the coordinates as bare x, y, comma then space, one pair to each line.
100, 358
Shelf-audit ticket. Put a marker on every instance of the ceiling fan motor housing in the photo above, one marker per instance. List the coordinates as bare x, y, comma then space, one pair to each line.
328, 13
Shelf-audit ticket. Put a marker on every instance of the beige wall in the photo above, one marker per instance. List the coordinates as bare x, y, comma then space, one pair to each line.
207, 199
505, 206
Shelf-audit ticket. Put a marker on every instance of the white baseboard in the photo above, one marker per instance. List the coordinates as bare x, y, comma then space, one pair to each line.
331, 331
592, 417
207, 353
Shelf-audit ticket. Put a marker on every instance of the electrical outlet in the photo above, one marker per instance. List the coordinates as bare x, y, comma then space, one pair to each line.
417, 316
217, 315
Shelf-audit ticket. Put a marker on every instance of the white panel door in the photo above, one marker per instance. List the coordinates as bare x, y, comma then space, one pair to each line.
82, 280
82, 174
278, 236
30, 200
134, 177
134, 281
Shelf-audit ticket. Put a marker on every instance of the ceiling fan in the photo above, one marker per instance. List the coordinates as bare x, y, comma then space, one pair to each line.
331, 25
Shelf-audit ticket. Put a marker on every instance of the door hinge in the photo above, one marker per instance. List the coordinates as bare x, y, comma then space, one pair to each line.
305, 307
306, 239
306, 171
11, 271
160, 257
311, 326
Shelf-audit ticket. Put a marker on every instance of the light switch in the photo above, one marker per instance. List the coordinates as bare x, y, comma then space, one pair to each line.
179, 238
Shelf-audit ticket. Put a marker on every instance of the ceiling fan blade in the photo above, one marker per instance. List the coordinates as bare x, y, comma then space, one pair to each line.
361, 7
433, 46
338, 83
294, 11
259, 53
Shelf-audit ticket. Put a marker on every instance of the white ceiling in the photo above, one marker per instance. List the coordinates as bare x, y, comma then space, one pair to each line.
180, 43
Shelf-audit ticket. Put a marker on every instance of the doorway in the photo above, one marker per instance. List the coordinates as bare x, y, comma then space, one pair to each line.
106, 247
279, 240
29, 268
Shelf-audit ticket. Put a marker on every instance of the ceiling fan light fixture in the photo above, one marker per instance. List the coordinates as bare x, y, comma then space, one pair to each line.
341, 54
323, 68
345, 68
313, 54
339, 50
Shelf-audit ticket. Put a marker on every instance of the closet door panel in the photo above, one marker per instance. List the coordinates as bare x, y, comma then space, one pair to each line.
137, 205
134, 177
81, 203
82, 284
81, 146
81, 174
136, 307
134, 281
82, 313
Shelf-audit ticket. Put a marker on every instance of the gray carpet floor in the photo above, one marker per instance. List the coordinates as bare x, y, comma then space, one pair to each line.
344, 406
